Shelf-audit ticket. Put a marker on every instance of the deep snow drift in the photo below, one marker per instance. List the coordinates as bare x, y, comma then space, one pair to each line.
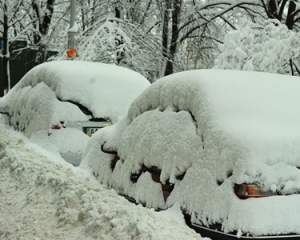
42, 197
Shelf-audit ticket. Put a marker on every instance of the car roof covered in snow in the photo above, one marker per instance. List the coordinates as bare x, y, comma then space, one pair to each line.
253, 106
106, 90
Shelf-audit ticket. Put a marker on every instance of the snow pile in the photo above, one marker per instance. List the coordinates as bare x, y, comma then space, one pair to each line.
218, 128
45, 198
254, 47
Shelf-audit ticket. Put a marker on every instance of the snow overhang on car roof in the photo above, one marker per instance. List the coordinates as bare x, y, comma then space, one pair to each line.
253, 106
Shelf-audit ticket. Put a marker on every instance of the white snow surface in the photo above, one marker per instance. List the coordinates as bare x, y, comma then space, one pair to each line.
43, 98
43, 197
224, 126
106, 90
265, 47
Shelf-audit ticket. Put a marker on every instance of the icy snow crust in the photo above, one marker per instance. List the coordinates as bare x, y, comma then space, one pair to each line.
42, 197
219, 127
40, 100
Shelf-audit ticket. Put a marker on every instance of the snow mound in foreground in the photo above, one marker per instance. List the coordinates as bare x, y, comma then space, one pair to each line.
41, 198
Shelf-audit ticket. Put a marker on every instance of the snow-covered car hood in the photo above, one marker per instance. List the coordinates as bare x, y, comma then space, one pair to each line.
219, 128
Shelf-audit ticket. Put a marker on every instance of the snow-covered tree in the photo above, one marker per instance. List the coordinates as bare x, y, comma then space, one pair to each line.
153, 37
33, 21
116, 32
12, 18
122, 44
285, 11
271, 47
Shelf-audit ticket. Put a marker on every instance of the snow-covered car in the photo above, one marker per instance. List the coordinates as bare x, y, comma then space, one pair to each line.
67, 101
223, 144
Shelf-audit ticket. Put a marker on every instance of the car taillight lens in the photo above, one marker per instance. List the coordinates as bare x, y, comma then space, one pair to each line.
58, 126
245, 191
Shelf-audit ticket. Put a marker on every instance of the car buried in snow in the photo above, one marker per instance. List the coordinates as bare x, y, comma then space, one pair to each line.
224, 144
59, 104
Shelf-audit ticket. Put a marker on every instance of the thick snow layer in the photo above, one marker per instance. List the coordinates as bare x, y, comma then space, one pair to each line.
42, 197
106, 90
220, 128
265, 47
44, 98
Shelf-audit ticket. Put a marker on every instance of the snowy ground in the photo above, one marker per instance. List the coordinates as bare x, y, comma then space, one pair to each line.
41, 197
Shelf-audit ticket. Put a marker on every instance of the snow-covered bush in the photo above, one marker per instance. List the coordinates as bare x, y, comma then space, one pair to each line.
268, 48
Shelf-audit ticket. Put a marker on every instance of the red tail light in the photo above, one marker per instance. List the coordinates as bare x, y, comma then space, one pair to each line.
245, 191
58, 126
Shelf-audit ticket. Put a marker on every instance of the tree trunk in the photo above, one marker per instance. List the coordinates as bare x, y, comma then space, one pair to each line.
291, 15
44, 21
174, 37
119, 40
165, 30
5, 52
93, 13
273, 9
83, 12
291, 66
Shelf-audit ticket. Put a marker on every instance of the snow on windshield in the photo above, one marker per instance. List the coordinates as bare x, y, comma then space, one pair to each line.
216, 126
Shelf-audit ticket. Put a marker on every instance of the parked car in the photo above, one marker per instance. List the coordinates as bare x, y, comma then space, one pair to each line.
222, 143
67, 101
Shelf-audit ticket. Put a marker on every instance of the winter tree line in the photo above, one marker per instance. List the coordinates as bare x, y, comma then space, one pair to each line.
160, 37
